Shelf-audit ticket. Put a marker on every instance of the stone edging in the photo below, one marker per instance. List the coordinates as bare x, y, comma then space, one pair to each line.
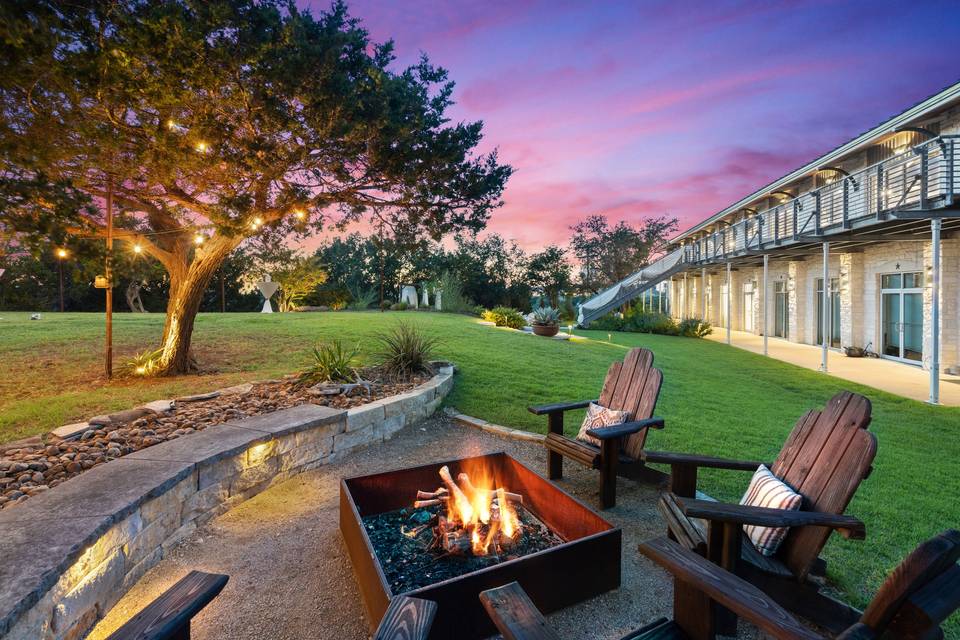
70, 553
506, 432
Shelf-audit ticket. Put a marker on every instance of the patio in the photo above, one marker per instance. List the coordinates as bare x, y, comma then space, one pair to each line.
893, 377
290, 575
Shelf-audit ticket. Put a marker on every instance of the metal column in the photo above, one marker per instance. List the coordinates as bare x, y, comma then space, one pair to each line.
766, 325
686, 292
825, 307
935, 225
729, 295
703, 295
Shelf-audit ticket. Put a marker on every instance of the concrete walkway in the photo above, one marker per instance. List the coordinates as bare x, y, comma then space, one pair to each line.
887, 375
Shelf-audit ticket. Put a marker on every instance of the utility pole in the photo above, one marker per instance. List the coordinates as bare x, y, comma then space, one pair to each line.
108, 364
61, 254
381, 266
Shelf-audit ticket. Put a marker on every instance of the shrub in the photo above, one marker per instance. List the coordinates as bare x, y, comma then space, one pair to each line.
143, 363
362, 299
338, 305
386, 304
659, 323
546, 316
505, 317
609, 322
332, 362
406, 350
479, 311
569, 311
452, 299
694, 328
398, 306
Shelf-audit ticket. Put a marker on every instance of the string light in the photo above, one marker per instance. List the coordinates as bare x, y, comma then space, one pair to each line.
137, 248
202, 147
61, 253
300, 214
199, 238
172, 125
256, 222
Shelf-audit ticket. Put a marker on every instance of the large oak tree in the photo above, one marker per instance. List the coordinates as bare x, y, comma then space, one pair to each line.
212, 120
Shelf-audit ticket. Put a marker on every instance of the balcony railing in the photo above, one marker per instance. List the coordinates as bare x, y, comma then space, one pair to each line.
925, 177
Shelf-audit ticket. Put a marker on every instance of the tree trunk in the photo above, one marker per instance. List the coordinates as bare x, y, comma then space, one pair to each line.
188, 281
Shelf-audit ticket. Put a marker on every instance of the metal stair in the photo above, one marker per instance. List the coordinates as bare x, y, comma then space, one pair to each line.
630, 287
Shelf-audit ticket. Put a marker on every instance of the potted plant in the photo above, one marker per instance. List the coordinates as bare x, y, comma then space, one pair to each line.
546, 321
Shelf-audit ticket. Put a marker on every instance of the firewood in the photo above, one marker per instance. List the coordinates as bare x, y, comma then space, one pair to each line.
463, 505
511, 497
456, 542
429, 503
430, 495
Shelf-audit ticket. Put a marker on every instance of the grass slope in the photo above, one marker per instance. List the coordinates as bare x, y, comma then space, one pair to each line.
716, 400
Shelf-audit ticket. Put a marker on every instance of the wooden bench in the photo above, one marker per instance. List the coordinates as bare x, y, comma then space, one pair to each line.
168, 617
407, 619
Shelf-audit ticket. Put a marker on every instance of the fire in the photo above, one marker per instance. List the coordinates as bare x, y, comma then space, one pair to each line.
478, 513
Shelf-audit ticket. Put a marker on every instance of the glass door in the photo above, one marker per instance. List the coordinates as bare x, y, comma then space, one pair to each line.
780, 310
901, 316
748, 307
833, 295
723, 305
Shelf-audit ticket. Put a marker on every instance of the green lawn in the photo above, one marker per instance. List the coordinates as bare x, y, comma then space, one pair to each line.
716, 400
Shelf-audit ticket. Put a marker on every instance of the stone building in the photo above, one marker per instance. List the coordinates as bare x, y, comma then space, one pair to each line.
877, 210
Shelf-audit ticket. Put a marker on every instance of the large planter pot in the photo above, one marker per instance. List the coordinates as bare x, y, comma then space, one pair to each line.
546, 330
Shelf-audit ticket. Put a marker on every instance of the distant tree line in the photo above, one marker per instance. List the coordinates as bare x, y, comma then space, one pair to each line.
490, 270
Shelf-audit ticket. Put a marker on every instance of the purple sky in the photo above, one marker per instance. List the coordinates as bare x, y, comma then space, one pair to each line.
634, 109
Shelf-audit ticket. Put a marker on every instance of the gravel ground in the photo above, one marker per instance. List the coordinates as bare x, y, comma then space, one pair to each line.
291, 578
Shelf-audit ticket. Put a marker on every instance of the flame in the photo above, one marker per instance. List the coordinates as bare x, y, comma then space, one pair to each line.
471, 506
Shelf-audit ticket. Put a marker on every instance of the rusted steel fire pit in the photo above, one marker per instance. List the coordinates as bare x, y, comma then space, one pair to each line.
581, 558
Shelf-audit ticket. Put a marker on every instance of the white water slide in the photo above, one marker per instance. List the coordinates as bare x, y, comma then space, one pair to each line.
630, 287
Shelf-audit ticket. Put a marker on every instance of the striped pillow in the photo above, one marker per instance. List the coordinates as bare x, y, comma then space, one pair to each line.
597, 417
767, 490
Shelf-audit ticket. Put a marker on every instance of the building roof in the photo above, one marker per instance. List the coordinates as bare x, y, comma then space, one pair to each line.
925, 107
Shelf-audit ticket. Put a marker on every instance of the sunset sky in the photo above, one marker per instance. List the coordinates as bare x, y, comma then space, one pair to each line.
634, 109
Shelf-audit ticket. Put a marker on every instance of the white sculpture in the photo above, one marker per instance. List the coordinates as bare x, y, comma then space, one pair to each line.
409, 295
436, 299
424, 295
267, 288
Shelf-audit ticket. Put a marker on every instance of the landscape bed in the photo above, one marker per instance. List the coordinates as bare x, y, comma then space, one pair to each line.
584, 564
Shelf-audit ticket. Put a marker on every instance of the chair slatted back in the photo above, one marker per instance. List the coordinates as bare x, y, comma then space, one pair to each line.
921, 592
633, 386
825, 458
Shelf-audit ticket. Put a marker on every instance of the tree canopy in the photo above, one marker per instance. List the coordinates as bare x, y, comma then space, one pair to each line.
208, 121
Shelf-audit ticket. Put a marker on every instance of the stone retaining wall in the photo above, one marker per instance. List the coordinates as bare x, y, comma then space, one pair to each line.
69, 554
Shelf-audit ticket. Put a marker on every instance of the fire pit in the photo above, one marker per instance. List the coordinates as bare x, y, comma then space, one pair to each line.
449, 530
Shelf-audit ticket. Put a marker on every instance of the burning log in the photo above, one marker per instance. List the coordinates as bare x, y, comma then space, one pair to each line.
512, 497
459, 498
430, 495
430, 503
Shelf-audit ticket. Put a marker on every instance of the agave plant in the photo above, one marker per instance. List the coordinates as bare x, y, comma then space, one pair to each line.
546, 316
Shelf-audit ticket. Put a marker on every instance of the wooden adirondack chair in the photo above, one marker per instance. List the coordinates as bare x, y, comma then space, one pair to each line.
633, 386
922, 592
824, 459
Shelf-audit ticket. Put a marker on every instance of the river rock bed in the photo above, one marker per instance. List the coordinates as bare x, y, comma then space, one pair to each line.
35, 465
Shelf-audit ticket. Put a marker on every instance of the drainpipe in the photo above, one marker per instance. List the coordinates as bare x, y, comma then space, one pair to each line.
766, 326
935, 225
825, 306
729, 295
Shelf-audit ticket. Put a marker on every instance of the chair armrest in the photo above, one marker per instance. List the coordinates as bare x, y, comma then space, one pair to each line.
169, 615
670, 457
559, 406
625, 429
515, 615
408, 618
723, 587
847, 526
